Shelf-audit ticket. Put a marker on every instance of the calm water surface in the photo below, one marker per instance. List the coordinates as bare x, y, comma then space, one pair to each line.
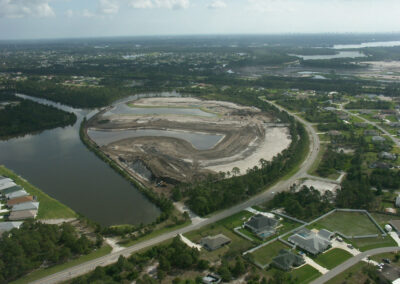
341, 54
57, 162
124, 109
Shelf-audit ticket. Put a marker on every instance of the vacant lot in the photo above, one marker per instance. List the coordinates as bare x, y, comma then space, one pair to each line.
348, 223
265, 254
332, 258
372, 243
225, 226
303, 275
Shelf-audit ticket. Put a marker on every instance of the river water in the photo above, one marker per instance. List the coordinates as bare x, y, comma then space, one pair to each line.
57, 162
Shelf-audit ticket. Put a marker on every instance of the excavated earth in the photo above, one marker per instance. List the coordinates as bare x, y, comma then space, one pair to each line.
241, 136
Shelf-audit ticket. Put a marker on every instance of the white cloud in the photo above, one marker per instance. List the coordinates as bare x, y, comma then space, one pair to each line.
168, 4
24, 8
108, 7
218, 4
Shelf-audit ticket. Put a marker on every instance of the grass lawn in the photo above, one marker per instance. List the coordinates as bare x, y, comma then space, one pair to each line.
332, 258
372, 243
153, 234
40, 273
49, 207
265, 254
304, 274
348, 223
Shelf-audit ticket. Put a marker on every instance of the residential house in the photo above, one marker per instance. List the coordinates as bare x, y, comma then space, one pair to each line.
398, 201
18, 200
6, 184
261, 225
22, 215
25, 206
214, 242
285, 260
16, 194
378, 139
211, 279
310, 242
380, 165
387, 156
11, 189
8, 226
370, 132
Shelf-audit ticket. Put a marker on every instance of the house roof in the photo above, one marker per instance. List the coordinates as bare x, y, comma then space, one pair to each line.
310, 241
7, 185
16, 194
325, 234
26, 206
286, 260
21, 215
214, 242
260, 222
19, 200
4, 180
8, 226
12, 189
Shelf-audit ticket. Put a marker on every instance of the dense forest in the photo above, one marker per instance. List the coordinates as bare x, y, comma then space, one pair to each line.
21, 117
172, 259
36, 244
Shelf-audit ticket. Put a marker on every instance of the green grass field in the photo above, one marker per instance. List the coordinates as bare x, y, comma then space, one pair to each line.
332, 258
49, 208
265, 254
348, 223
40, 273
372, 243
303, 275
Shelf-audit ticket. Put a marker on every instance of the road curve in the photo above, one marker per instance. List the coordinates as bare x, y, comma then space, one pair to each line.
283, 185
350, 262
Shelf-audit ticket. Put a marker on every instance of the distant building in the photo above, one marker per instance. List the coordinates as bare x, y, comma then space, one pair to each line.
371, 132
214, 242
261, 225
8, 226
380, 165
22, 215
311, 242
334, 133
211, 279
387, 156
378, 139
285, 260
398, 201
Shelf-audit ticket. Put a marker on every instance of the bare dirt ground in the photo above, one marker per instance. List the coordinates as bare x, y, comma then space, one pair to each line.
248, 135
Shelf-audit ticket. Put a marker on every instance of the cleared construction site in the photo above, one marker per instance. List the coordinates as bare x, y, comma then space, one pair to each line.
162, 141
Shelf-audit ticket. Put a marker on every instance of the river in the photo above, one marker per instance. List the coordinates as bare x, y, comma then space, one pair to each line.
57, 162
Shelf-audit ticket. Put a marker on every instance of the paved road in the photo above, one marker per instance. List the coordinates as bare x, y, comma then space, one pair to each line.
258, 199
394, 139
350, 262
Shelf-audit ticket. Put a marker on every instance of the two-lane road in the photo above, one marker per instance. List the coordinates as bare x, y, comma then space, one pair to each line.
258, 199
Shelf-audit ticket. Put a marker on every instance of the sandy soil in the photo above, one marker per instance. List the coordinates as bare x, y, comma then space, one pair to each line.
248, 136
276, 140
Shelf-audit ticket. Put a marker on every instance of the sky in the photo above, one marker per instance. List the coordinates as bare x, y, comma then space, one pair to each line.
35, 19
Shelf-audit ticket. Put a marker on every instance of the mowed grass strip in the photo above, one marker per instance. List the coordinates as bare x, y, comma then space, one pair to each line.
304, 274
332, 258
349, 223
373, 243
49, 208
265, 254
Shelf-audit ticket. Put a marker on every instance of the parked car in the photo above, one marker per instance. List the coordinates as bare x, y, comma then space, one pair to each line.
386, 260
350, 246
